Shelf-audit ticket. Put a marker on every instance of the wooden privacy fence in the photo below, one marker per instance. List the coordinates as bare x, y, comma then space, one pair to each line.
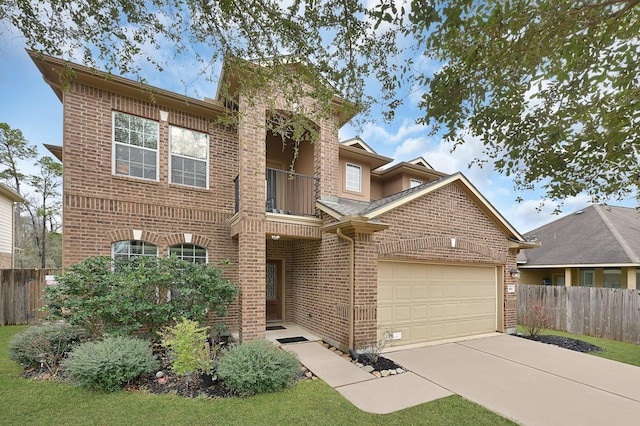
22, 295
610, 313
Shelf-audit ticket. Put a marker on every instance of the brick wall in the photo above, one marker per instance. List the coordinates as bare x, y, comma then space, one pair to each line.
423, 229
101, 208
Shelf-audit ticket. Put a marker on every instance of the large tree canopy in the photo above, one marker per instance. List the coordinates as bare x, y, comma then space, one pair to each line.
550, 87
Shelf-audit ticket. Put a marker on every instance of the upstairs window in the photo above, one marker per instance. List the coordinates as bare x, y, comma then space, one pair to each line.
189, 252
125, 250
353, 178
135, 142
189, 157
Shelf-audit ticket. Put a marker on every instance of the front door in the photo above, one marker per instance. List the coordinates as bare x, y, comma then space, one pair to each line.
274, 290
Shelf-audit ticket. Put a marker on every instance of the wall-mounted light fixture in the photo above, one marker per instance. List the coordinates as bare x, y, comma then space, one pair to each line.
514, 273
275, 237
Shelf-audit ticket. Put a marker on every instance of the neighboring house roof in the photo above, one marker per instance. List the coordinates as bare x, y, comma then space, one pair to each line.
343, 207
595, 236
10, 194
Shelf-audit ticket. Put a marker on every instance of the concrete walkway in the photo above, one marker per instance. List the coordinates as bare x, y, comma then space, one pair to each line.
528, 382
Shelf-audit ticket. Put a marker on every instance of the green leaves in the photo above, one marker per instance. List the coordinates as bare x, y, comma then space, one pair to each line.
119, 298
545, 84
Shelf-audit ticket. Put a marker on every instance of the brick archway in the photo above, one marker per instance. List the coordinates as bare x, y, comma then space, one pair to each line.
398, 246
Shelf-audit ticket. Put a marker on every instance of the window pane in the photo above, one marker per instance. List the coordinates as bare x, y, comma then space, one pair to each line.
136, 140
353, 177
123, 250
189, 253
612, 278
189, 143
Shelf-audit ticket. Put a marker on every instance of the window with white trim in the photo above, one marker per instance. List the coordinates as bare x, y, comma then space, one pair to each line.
189, 159
587, 277
414, 182
612, 278
125, 250
135, 145
353, 178
189, 252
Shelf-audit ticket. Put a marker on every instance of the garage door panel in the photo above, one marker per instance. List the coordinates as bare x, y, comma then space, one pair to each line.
433, 302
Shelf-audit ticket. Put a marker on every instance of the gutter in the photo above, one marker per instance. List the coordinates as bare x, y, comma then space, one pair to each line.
351, 282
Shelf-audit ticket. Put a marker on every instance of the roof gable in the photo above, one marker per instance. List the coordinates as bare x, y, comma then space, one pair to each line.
358, 143
344, 207
420, 161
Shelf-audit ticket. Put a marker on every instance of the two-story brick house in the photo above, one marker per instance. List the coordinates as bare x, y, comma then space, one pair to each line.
339, 247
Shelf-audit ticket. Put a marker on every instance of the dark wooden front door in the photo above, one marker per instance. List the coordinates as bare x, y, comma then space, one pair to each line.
274, 290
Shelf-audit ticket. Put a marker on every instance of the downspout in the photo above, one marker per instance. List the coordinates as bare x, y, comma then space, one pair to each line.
351, 283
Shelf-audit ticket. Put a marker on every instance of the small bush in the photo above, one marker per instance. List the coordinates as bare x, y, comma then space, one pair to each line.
188, 343
109, 364
536, 318
257, 367
50, 342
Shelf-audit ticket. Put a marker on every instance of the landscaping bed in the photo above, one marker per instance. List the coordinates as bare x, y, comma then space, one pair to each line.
564, 342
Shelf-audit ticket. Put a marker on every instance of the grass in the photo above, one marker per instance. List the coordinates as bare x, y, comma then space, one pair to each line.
627, 353
307, 403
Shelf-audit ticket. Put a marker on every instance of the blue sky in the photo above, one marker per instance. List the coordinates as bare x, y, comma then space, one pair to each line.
30, 105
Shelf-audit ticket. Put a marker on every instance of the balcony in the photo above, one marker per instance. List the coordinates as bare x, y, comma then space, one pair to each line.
286, 193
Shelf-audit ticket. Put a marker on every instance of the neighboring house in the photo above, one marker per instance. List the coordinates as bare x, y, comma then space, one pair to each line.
339, 247
595, 247
8, 199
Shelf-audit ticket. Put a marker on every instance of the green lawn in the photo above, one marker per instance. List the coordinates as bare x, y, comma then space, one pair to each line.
628, 353
309, 402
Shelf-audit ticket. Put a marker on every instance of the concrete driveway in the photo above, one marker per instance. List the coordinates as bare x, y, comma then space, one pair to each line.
529, 382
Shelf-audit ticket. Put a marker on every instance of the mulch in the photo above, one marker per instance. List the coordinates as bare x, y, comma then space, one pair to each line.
564, 342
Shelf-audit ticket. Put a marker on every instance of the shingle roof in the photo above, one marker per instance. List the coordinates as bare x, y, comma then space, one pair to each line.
346, 207
596, 235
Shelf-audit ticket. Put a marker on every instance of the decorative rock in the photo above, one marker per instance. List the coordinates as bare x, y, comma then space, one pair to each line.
393, 372
367, 368
326, 345
377, 374
359, 364
339, 352
332, 349
345, 356
385, 373
308, 374
314, 378
399, 371
160, 374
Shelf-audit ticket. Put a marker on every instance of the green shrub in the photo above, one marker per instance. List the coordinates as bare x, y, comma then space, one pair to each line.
109, 364
256, 367
110, 297
188, 343
49, 342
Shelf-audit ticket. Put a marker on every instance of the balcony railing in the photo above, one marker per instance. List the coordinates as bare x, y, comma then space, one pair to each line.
286, 193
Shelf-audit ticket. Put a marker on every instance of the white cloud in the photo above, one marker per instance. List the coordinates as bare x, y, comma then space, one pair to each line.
530, 214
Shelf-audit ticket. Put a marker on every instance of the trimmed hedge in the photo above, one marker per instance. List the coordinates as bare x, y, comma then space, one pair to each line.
257, 367
109, 364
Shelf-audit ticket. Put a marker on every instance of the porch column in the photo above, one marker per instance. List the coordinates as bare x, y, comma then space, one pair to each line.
365, 291
325, 164
252, 218
631, 278
567, 277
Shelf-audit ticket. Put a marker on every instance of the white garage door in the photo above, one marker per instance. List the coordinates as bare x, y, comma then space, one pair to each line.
427, 302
